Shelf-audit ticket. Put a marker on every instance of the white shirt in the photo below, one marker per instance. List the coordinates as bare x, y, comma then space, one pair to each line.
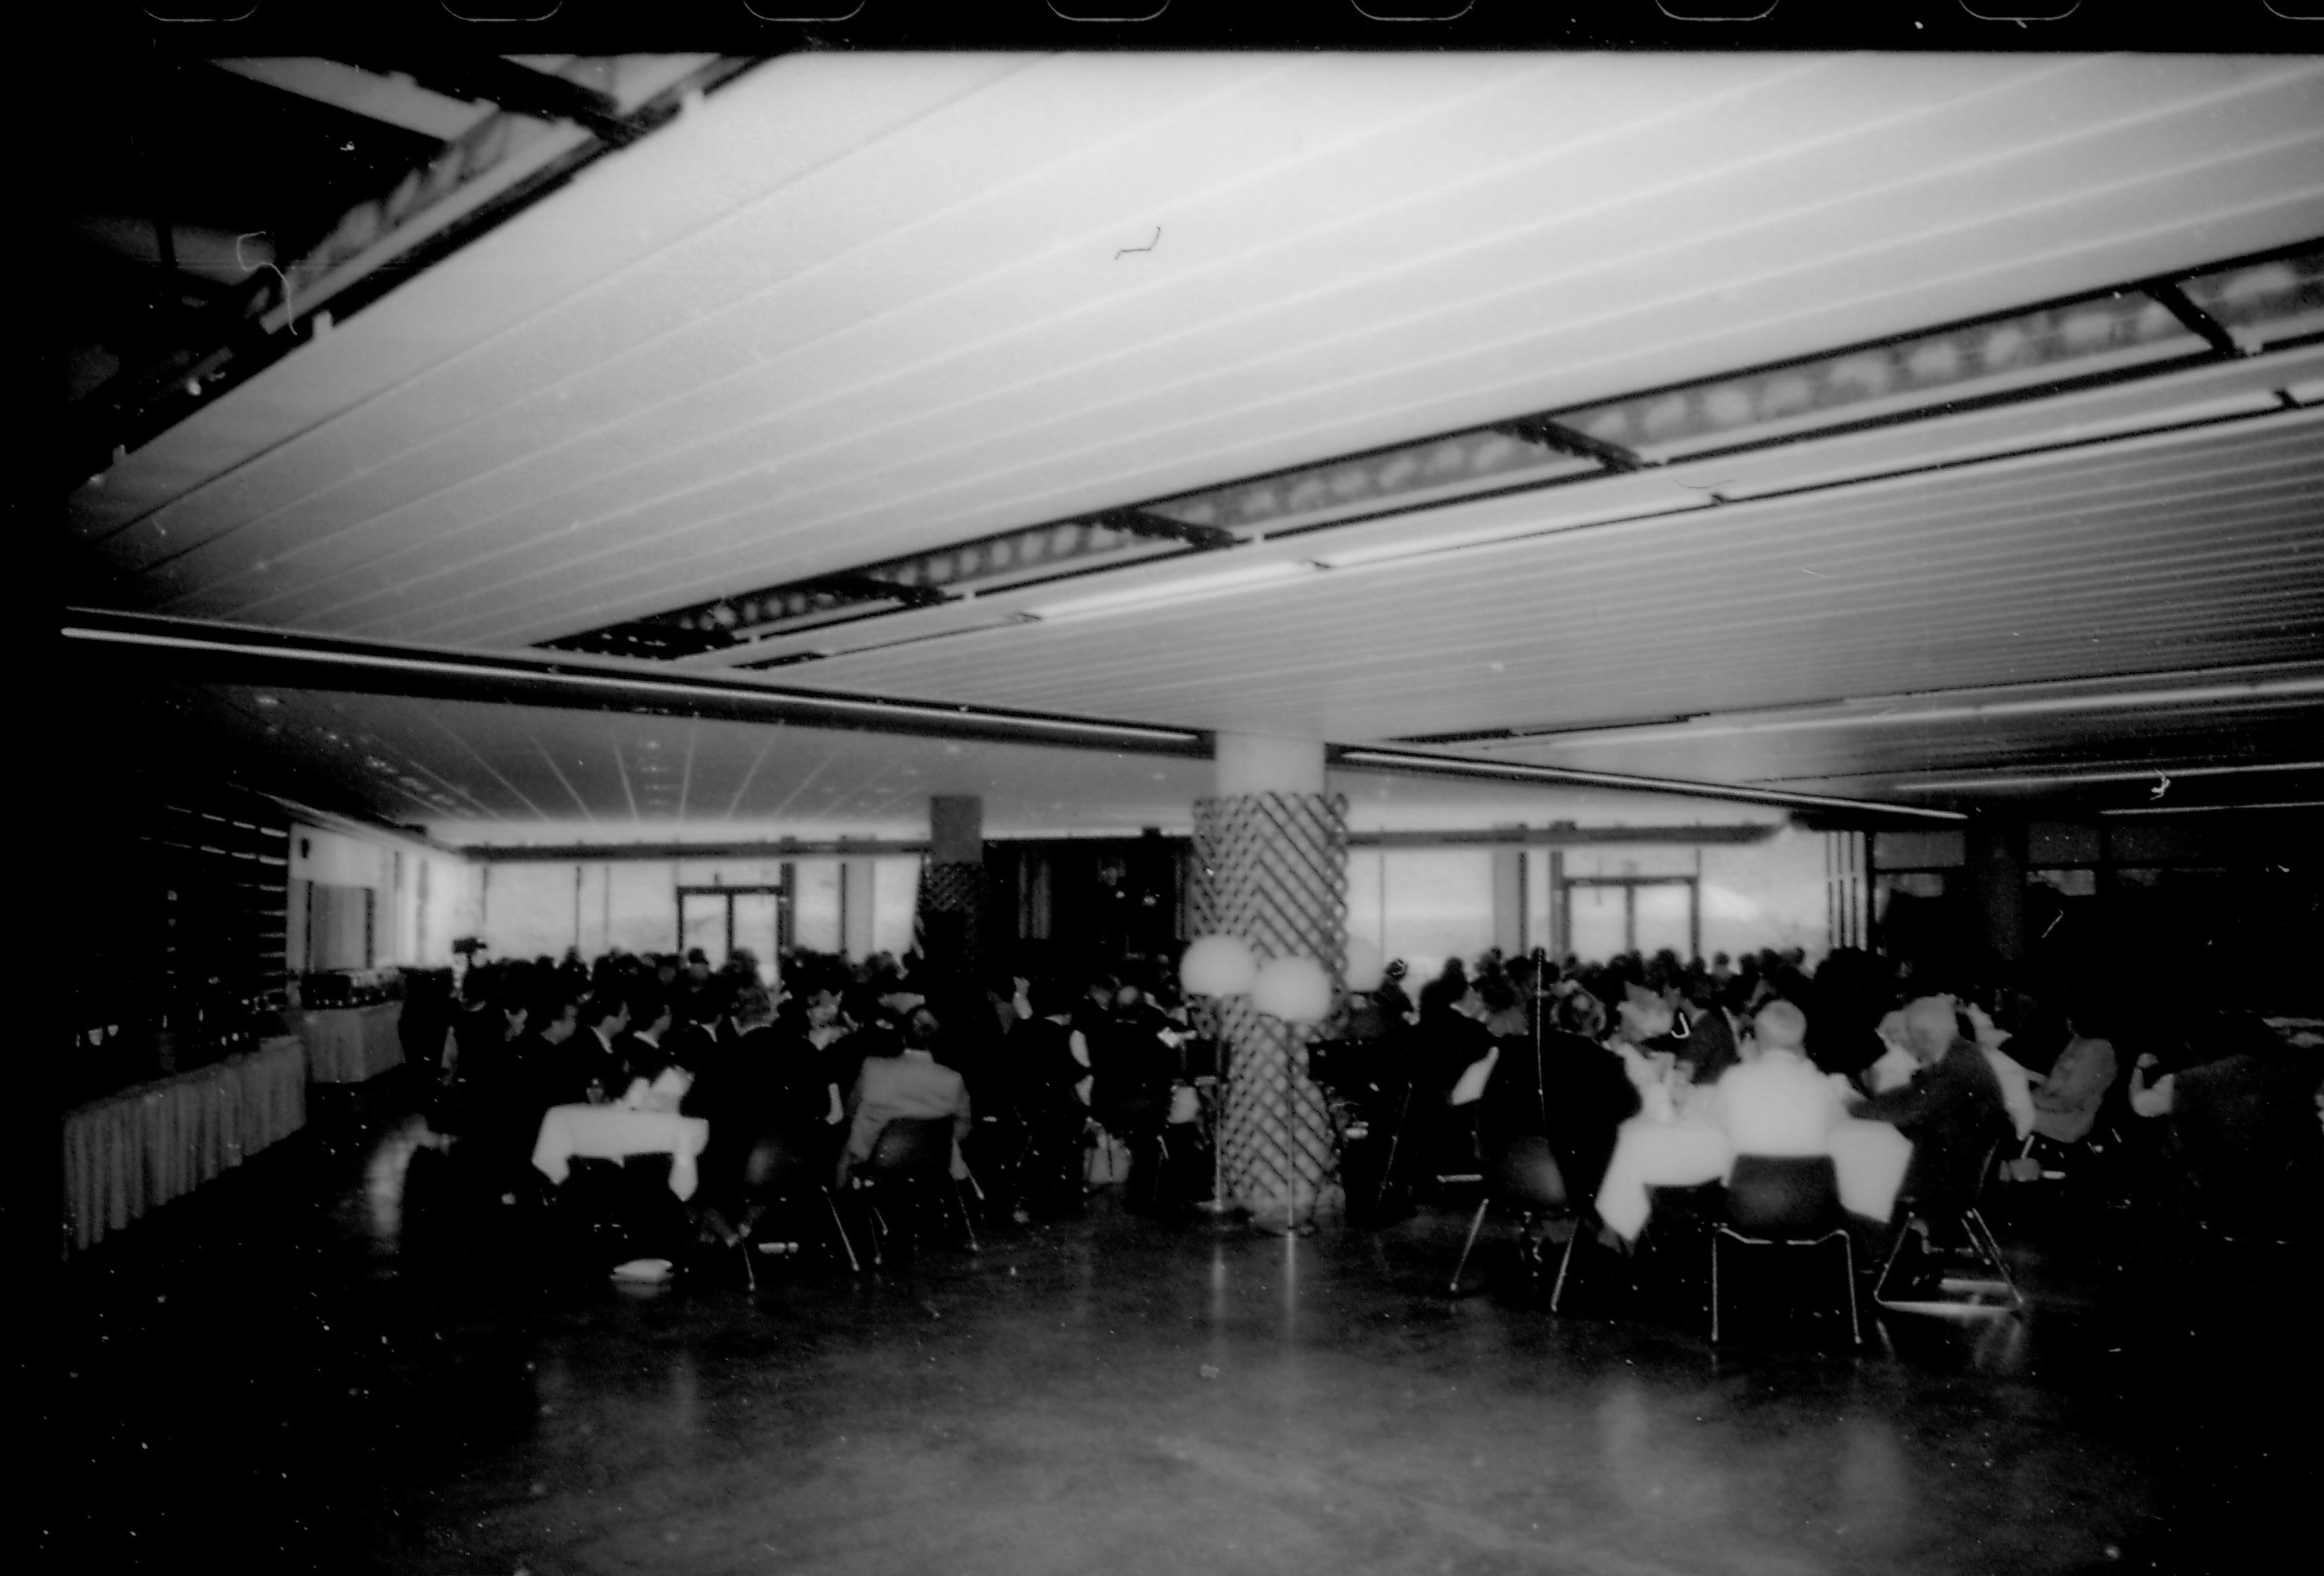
1777, 1104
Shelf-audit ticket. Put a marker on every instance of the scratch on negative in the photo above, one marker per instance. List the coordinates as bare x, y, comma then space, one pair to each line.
1148, 247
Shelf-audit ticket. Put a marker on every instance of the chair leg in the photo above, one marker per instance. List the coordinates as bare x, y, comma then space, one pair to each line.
1715, 1238
1387, 1169
1888, 1266
1475, 1225
1847, 1269
1982, 1235
1565, 1262
967, 1224
854, 1265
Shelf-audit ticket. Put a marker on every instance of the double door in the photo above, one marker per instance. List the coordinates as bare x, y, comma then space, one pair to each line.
721, 920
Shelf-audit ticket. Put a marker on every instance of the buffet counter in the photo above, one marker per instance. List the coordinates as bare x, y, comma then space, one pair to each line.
135, 1150
351, 1045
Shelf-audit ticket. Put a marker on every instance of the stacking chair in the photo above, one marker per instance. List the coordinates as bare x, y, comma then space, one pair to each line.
1522, 1176
1960, 1294
1783, 1202
781, 1173
910, 1160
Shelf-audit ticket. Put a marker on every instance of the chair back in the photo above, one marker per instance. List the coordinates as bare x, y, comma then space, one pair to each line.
1524, 1173
1784, 1197
909, 1144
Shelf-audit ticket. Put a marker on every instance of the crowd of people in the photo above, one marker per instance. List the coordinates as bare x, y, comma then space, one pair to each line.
1034, 1069
1988, 1075
798, 1084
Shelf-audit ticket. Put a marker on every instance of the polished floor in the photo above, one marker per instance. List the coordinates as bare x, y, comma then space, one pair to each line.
288, 1373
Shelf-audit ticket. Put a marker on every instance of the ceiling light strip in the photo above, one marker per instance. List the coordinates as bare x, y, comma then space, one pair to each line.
965, 718
2214, 809
1857, 714
2146, 774
1401, 761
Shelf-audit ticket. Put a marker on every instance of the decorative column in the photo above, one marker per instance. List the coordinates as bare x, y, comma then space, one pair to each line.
950, 911
1271, 867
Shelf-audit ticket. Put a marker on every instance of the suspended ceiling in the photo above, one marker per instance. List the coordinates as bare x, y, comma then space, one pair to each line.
847, 309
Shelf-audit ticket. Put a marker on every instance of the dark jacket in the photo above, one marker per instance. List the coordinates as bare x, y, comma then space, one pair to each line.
1953, 1112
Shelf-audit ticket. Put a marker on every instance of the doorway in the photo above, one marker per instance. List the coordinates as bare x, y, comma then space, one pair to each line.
722, 921
1602, 915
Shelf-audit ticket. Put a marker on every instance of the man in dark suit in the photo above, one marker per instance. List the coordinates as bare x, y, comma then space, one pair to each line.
1951, 1110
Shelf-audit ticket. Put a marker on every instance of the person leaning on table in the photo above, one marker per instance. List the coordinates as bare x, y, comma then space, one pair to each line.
1952, 1110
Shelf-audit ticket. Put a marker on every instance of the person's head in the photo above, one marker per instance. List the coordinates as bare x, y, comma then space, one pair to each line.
665, 970
1102, 989
608, 1012
751, 1006
821, 1003
1581, 1013
1932, 1023
697, 965
1781, 1027
650, 1014
920, 1029
1644, 1015
514, 1012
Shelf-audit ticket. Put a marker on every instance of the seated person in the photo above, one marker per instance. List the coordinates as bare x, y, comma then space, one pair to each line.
643, 1055
1587, 1095
769, 1111
590, 1068
2066, 1101
2017, 1083
910, 1082
1951, 1110
2246, 1130
1775, 1101
1044, 1080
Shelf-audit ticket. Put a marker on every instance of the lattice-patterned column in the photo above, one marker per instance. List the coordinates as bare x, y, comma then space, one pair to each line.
1272, 868
950, 910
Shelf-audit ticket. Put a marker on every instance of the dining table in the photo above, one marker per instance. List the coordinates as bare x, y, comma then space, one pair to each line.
616, 1132
1687, 1150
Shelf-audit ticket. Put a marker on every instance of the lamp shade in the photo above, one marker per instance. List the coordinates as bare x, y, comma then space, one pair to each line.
1295, 989
1366, 968
1217, 965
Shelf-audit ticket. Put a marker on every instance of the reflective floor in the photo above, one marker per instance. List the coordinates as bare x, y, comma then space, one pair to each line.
288, 1373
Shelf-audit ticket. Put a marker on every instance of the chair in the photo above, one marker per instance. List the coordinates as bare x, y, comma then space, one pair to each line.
1970, 1290
1783, 1202
911, 1157
778, 1170
1522, 1175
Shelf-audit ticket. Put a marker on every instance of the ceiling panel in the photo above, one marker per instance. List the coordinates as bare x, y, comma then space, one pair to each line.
850, 307
933, 335
2091, 562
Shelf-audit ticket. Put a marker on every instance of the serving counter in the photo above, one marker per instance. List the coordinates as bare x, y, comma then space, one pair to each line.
351, 1045
139, 1149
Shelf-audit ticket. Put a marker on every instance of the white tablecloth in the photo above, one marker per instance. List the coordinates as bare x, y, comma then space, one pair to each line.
352, 1044
1869, 1158
135, 1150
612, 1132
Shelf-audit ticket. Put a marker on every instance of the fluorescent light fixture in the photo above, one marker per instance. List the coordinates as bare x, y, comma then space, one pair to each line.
1421, 546
1453, 766
2216, 809
1903, 714
1171, 593
2149, 774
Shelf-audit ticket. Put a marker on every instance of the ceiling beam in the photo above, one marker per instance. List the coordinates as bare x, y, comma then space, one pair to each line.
521, 90
393, 100
144, 646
